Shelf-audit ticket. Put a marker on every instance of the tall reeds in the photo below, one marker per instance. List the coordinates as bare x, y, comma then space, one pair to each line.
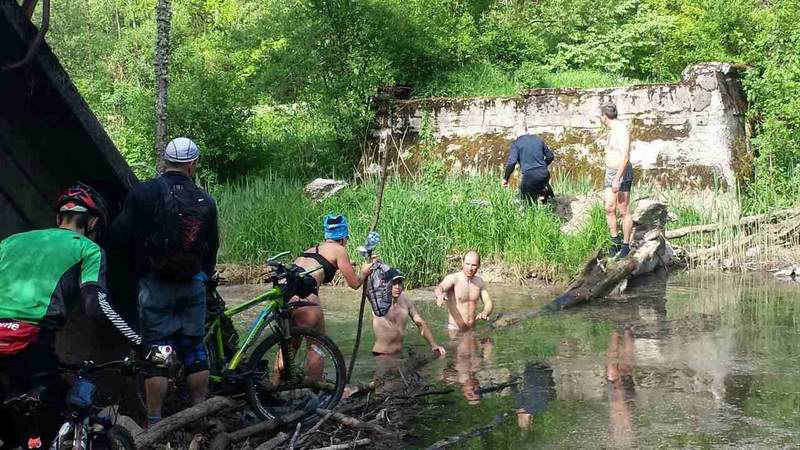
424, 227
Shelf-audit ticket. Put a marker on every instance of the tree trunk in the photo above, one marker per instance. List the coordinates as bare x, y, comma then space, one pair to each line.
161, 64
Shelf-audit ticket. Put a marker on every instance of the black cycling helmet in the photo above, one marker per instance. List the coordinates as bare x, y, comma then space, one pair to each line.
81, 198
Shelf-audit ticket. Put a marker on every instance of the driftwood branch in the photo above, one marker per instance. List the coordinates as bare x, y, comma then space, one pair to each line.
346, 446
178, 420
306, 383
460, 437
427, 393
352, 422
224, 440
744, 221
772, 234
274, 442
498, 387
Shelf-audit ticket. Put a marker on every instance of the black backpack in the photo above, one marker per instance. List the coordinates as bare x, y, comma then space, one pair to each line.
177, 240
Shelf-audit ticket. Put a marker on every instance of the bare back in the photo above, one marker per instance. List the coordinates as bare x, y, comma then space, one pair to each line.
337, 257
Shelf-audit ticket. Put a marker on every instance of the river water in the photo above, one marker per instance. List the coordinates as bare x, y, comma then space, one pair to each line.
693, 361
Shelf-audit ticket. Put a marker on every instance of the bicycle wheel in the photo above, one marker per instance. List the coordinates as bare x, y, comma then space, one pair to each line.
317, 381
115, 438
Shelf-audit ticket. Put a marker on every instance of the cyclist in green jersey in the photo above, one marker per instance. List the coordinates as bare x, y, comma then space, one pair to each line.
43, 274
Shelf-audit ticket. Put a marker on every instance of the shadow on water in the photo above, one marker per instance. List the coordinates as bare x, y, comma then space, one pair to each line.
690, 361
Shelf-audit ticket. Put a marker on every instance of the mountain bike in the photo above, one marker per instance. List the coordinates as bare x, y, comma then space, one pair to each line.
83, 427
292, 368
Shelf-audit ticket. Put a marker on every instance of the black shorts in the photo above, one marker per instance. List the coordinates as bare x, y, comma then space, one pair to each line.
168, 308
35, 366
535, 185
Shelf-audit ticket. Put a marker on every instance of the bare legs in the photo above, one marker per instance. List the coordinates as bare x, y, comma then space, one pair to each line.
614, 202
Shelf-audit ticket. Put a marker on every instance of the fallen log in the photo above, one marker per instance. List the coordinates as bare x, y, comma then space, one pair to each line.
160, 430
601, 275
463, 436
744, 221
223, 440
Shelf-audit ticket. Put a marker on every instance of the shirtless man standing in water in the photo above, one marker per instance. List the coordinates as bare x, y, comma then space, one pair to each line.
390, 329
461, 291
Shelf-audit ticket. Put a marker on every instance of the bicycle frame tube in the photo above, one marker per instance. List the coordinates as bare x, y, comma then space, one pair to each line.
271, 294
265, 317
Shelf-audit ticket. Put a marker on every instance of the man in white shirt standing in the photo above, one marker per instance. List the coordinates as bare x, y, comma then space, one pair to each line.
618, 180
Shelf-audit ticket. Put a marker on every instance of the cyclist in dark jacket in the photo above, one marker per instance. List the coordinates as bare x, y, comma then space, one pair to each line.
171, 226
44, 273
534, 157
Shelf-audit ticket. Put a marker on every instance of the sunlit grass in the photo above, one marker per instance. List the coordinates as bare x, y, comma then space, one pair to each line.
424, 229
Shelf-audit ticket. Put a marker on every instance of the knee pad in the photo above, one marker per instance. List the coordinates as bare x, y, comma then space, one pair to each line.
193, 354
151, 371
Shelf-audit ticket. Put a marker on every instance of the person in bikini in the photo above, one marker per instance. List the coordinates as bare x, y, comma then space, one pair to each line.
461, 292
332, 255
390, 329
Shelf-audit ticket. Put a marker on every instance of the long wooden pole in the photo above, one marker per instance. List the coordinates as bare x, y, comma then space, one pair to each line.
375, 219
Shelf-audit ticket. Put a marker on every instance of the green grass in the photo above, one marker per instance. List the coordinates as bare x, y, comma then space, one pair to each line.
425, 228
585, 79
483, 79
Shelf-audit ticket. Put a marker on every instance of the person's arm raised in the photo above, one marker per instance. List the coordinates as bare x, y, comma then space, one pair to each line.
349, 272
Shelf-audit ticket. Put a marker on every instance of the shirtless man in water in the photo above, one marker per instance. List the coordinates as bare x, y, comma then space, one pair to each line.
390, 329
461, 291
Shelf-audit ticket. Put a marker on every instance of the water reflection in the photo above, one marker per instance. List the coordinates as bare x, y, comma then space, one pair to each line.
708, 361
535, 393
621, 389
467, 358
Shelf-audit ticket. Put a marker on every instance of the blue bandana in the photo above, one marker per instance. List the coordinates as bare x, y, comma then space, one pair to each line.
335, 227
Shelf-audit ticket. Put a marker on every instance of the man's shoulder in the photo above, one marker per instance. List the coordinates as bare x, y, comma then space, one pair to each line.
453, 277
405, 301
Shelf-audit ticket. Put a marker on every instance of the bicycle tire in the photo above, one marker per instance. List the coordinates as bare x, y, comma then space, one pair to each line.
115, 438
254, 367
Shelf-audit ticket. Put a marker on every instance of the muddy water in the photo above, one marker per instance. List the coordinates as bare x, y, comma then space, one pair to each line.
695, 361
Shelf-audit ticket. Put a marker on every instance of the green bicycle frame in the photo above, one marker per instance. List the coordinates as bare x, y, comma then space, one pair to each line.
274, 300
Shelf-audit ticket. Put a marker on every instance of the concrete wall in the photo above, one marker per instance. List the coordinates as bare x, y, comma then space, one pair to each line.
690, 133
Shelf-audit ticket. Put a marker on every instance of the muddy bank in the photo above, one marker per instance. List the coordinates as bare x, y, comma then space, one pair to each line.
255, 274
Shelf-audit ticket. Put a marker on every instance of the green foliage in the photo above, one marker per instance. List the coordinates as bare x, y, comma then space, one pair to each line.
287, 86
773, 87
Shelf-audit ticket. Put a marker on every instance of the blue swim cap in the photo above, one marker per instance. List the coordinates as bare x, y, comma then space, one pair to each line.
335, 227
